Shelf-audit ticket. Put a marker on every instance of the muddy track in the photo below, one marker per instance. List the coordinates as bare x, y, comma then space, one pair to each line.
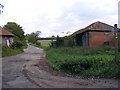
30, 70
28, 76
25, 73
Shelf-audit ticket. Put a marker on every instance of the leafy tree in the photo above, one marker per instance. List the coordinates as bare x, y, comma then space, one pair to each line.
52, 36
59, 41
15, 29
19, 38
33, 37
37, 33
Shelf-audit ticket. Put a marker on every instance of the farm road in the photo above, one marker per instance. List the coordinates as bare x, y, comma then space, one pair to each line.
29, 70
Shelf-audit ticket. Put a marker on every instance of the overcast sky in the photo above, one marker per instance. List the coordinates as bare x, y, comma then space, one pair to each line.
53, 17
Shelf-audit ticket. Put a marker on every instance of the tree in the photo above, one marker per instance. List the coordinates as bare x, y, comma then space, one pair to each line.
37, 33
19, 38
15, 29
33, 37
52, 36
59, 41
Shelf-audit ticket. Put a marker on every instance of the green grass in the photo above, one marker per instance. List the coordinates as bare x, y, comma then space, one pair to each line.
24, 47
33, 44
84, 61
45, 43
7, 51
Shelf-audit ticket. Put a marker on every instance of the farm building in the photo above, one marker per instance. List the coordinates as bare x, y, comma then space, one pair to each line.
96, 34
6, 37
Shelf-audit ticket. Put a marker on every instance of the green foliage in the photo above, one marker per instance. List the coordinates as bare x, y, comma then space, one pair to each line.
74, 66
64, 41
8, 51
53, 44
96, 61
15, 29
69, 41
57, 43
19, 38
119, 43
33, 37
17, 44
45, 43
37, 44
110, 69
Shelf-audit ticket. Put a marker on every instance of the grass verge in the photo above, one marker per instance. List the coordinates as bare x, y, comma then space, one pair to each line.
8, 51
97, 61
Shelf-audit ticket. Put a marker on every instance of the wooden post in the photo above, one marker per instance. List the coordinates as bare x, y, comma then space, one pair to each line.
116, 43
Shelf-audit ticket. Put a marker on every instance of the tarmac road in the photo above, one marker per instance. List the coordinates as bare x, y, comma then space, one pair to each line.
27, 70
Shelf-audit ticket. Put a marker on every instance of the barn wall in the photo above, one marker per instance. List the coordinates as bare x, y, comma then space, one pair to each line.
98, 38
4, 40
79, 39
82, 39
85, 41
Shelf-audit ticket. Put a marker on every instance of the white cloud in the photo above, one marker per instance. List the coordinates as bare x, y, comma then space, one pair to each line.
52, 17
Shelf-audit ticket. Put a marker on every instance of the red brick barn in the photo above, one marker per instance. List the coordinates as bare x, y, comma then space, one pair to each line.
96, 34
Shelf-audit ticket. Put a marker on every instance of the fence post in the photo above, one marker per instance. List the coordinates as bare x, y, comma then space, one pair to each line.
116, 42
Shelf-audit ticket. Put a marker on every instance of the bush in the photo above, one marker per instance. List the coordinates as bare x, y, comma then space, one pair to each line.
57, 43
38, 43
52, 44
97, 61
17, 44
69, 42
74, 66
9, 51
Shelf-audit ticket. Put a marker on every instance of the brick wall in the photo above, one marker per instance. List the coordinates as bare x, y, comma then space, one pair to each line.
98, 38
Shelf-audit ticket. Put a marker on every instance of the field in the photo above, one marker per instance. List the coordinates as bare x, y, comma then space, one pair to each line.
97, 61
45, 43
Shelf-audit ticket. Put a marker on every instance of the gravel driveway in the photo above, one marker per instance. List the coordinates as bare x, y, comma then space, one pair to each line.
29, 70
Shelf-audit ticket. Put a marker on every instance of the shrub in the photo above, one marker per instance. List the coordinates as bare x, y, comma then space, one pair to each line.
8, 51
97, 61
69, 42
38, 43
74, 66
17, 44
52, 44
57, 43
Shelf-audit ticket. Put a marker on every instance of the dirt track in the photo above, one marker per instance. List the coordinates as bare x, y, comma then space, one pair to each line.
29, 70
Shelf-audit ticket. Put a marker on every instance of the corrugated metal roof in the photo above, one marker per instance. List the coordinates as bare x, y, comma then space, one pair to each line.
97, 26
4, 32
